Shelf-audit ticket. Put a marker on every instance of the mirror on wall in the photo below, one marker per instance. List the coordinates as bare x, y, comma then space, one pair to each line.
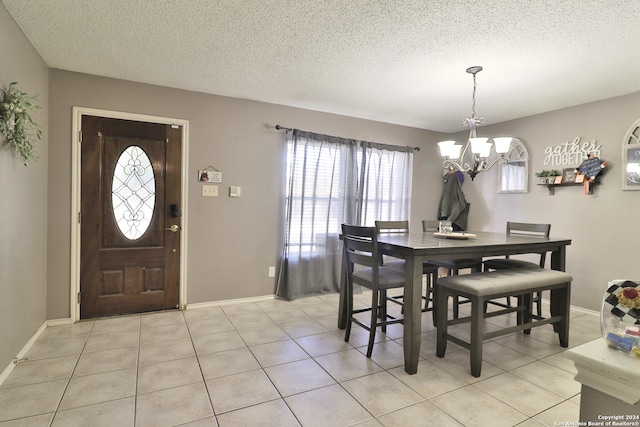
513, 177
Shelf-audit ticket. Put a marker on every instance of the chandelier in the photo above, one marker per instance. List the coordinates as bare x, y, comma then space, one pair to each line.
454, 154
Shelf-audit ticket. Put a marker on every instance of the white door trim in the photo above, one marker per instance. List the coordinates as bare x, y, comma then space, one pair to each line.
78, 112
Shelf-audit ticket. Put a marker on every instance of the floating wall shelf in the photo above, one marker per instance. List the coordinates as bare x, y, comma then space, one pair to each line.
552, 187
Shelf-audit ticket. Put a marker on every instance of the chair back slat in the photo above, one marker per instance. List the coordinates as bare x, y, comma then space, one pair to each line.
392, 226
530, 229
360, 247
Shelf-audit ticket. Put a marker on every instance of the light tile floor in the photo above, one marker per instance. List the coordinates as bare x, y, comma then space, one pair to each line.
279, 363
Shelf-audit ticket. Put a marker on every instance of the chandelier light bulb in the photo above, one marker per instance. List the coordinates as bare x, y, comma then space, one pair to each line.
477, 144
502, 144
485, 150
445, 148
455, 151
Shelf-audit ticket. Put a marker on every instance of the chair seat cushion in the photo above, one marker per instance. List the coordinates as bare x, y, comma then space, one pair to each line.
387, 278
504, 263
399, 265
504, 281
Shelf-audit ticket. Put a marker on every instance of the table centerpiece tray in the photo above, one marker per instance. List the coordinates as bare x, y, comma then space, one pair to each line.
455, 235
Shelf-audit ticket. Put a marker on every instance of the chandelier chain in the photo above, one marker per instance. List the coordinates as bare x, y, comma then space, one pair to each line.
473, 98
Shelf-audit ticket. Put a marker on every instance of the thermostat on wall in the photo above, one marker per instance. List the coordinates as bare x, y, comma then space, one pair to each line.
234, 191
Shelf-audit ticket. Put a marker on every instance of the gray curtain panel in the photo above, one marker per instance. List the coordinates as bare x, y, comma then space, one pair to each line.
331, 181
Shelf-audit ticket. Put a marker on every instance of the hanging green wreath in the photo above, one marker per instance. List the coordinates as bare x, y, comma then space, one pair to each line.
16, 123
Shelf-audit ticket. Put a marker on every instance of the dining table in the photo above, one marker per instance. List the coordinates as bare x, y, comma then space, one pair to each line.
417, 247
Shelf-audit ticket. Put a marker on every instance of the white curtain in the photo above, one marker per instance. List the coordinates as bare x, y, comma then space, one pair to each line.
513, 176
331, 181
386, 176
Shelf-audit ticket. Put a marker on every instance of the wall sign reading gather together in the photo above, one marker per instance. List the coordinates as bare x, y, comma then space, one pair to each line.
571, 153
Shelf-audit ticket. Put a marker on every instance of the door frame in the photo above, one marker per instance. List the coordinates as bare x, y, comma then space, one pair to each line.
78, 112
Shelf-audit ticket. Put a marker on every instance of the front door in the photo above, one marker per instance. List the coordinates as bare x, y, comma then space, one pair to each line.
130, 216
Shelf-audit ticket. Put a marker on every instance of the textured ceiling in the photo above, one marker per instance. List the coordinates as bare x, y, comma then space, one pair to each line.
395, 61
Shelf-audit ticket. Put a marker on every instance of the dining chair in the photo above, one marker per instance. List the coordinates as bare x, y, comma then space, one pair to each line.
428, 269
522, 229
453, 265
362, 261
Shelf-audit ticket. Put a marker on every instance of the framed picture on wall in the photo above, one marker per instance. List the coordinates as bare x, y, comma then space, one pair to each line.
569, 175
631, 157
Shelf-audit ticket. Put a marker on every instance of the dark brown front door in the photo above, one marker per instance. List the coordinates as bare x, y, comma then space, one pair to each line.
130, 216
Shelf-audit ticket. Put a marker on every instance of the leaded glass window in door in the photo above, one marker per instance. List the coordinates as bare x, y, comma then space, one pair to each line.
133, 192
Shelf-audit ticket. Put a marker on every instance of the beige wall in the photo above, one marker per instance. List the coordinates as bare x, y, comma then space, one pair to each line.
232, 242
23, 197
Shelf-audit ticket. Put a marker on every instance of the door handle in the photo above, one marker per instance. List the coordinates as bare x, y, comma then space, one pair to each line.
174, 228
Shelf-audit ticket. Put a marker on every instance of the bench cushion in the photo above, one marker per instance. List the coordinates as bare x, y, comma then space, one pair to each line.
504, 281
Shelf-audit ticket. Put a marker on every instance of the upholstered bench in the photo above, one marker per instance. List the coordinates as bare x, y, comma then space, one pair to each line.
482, 287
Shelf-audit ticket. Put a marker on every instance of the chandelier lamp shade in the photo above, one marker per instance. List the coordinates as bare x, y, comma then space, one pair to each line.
480, 147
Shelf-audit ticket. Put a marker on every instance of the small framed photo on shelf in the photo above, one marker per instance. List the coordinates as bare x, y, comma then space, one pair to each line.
569, 175
579, 178
558, 180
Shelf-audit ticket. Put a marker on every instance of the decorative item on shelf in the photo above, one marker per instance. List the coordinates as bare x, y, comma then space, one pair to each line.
454, 154
569, 175
16, 123
589, 169
548, 176
620, 316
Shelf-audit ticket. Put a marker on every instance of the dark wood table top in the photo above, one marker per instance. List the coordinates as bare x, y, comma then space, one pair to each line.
482, 245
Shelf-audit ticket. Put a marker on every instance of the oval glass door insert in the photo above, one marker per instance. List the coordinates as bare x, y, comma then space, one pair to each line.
133, 192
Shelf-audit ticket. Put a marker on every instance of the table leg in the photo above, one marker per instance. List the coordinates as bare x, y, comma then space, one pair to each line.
342, 303
412, 313
558, 260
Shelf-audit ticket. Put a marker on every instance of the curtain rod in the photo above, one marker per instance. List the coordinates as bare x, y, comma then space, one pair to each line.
278, 127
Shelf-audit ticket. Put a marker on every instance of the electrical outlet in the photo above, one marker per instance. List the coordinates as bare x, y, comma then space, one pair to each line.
272, 272
210, 190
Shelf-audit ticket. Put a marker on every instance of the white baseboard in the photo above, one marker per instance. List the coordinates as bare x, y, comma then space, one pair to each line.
58, 322
585, 311
22, 352
576, 308
228, 302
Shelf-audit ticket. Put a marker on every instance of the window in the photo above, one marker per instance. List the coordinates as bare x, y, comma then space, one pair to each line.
133, 192
331, 181
514, 176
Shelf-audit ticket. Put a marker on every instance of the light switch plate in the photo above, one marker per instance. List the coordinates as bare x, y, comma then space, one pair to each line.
210, 190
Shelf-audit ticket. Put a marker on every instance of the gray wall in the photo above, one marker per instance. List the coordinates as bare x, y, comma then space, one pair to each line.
232, 242
601, 225
23, 197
